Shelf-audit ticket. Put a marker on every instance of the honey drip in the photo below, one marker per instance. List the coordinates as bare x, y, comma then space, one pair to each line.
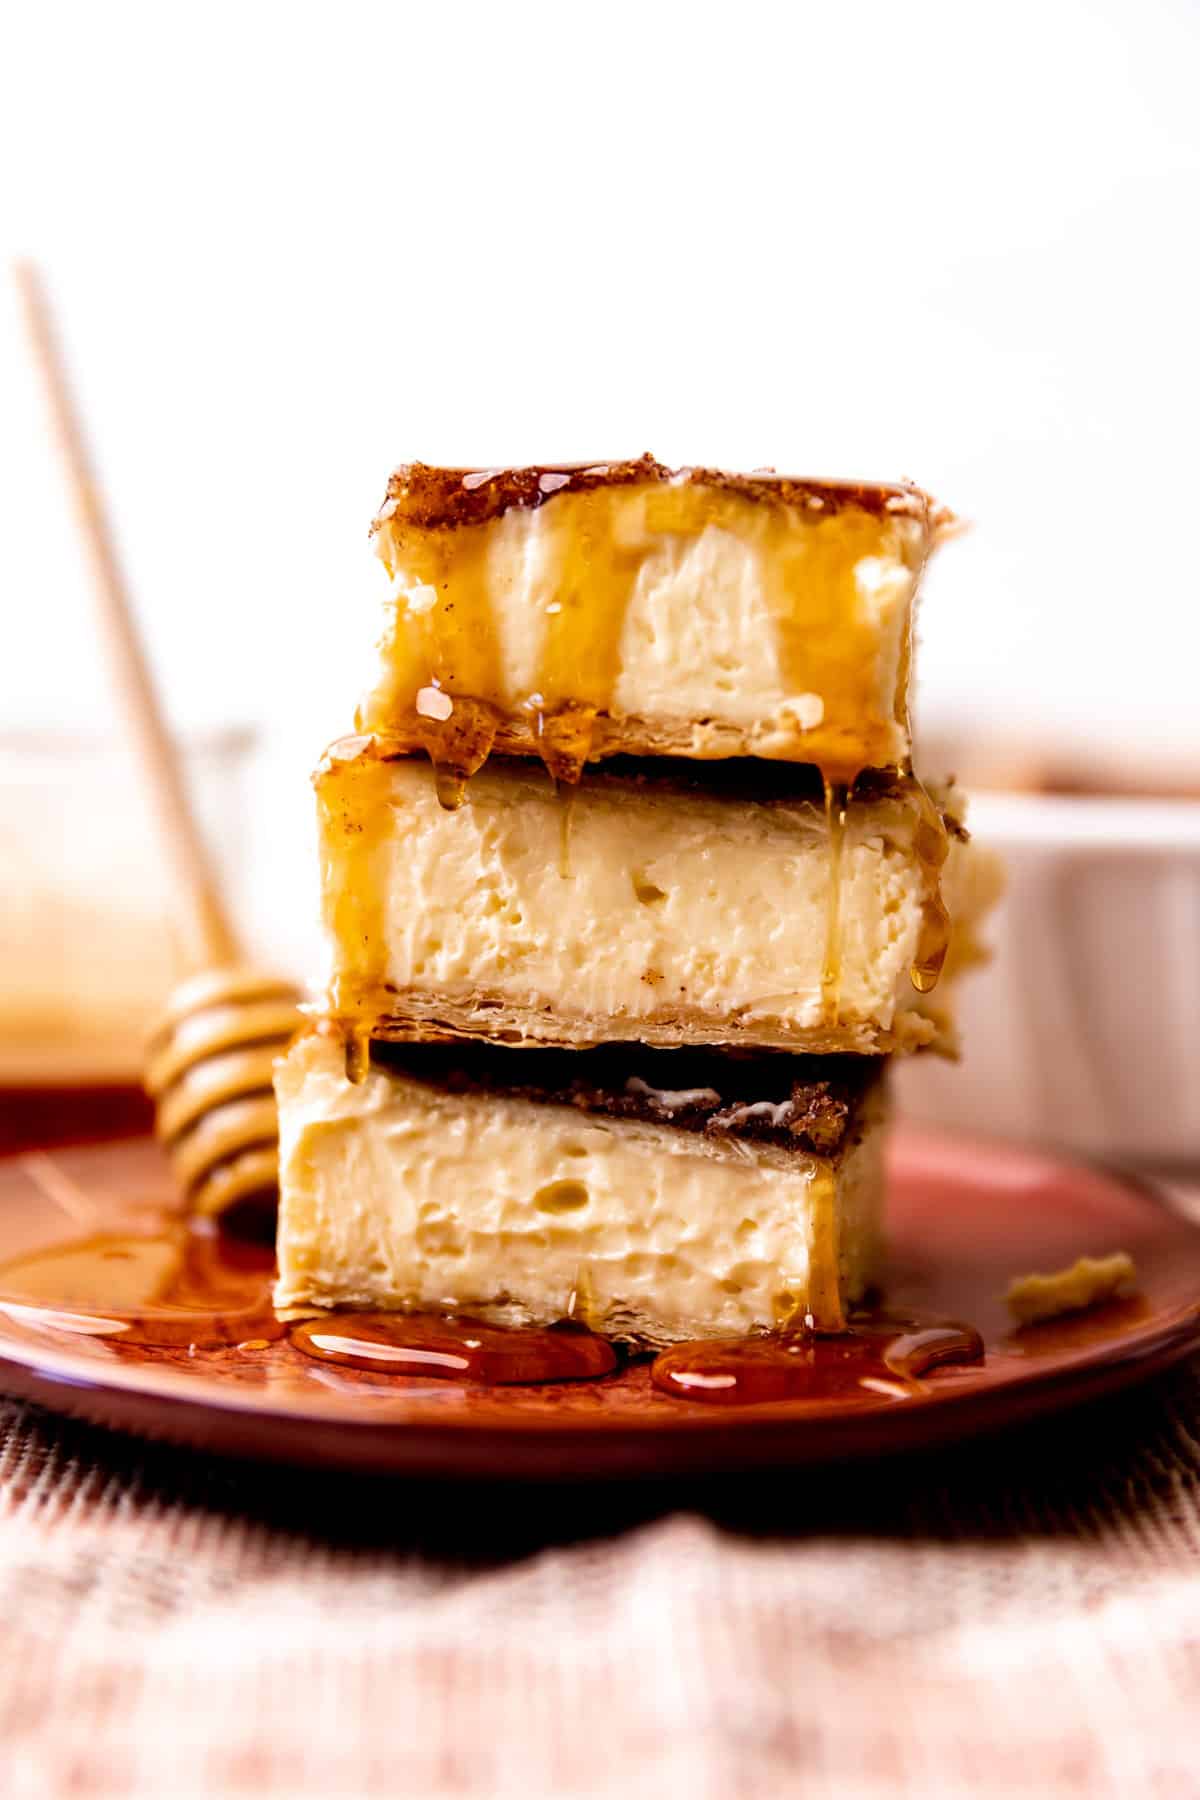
931, 844
566, 802
458, 745
355, 813
837, 799
877, 1358
581, 1301
823, 1312
564, 739
357, 1044
453, 1347
451, 786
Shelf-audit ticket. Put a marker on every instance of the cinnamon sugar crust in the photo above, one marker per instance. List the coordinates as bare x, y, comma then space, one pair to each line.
431, 498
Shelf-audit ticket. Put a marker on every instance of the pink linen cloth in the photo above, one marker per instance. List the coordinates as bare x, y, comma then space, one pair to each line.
1015, 1616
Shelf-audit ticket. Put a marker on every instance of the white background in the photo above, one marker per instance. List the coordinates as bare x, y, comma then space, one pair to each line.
292, 245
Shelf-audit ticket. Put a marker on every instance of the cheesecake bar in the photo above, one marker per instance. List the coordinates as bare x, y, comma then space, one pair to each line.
652, 1195
657, 900
573, 612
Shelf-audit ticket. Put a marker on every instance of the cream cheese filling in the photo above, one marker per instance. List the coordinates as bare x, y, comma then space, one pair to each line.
397, 1194
613, 911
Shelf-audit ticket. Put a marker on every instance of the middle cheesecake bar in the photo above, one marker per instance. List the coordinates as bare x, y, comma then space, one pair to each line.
658, 901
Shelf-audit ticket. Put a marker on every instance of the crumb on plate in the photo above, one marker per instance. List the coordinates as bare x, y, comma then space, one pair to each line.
1089, 1280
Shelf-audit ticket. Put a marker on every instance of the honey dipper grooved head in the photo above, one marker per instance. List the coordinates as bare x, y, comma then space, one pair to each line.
209, 1071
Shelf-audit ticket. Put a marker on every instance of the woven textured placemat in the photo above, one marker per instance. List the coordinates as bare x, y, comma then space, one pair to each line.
1019, 1616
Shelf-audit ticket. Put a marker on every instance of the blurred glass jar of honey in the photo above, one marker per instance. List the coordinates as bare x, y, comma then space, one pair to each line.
87, 955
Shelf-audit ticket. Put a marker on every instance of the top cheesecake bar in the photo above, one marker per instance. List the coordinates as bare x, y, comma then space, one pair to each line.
575, 612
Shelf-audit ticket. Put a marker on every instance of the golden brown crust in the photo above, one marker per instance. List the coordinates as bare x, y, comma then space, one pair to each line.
488, 730
440, 1015
431, 498
738, 778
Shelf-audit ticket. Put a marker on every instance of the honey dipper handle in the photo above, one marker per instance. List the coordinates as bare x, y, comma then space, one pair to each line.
203, 924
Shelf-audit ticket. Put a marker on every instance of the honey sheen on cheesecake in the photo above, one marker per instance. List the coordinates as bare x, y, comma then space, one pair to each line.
660, 902
571, 612
526, 1187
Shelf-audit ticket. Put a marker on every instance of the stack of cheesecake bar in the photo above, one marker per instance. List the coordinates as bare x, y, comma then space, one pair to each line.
631, 896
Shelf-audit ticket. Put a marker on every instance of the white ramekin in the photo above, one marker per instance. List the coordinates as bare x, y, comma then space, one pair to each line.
1084, 1030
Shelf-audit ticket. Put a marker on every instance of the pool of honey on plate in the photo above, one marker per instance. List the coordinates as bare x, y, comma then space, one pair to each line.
175, 1285
455, 1347
876, 1355
166, 1283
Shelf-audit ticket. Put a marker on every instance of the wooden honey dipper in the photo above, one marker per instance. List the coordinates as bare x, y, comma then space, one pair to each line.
211, 1057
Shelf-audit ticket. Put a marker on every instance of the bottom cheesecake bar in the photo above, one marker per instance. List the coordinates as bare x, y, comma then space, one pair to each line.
651, 1195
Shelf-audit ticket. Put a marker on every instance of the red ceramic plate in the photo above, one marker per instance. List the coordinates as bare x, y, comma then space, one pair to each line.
965, 1217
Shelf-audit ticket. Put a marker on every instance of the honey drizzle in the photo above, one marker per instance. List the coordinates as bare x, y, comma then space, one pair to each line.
357, 1045
594, 543
451, 646
450, 663
931, 845
826, 642
354, 805
450, 785
837, 799
599, 544
565, 739
823, 1310
581, 1301
457, 633
566, 818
